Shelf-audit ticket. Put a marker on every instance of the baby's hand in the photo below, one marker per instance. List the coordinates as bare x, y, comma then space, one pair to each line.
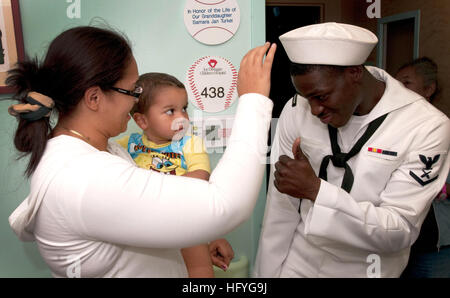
221, 253
199, 174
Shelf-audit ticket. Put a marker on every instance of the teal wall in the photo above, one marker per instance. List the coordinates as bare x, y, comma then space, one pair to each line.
160, 43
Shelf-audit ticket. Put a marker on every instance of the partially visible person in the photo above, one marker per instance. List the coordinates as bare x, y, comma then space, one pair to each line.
90, 209
430, 254
420, 76
163, 146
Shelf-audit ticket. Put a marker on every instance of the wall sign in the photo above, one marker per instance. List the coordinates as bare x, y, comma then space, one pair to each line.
215, 131
212, 22
211, 84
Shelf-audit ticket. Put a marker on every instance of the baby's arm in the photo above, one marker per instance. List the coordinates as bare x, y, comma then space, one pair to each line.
197, 258
198, 261
199, 174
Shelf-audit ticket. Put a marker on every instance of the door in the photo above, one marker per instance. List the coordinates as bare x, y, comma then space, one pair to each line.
399, 40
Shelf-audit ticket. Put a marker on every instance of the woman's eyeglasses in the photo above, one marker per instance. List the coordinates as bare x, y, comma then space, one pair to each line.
135, 93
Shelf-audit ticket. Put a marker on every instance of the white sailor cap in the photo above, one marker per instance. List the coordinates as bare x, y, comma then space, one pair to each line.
329, 44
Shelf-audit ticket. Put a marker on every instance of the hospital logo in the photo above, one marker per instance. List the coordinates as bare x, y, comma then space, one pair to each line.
212, 63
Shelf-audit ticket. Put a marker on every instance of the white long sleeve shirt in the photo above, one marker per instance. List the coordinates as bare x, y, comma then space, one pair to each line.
94, 214
369, 231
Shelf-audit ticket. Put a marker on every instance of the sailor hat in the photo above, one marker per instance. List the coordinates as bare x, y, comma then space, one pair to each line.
329, 44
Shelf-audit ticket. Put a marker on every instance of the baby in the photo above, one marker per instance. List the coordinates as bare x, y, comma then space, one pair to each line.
165, 147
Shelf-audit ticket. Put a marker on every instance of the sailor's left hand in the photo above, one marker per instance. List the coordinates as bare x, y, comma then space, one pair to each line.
295, 177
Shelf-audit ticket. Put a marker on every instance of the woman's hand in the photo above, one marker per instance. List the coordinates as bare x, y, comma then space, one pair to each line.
254, 73
221, 253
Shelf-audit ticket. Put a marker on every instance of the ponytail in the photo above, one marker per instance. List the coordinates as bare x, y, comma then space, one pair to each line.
31, 138
34, 127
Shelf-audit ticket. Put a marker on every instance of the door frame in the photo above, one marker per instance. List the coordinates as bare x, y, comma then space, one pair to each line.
382, 28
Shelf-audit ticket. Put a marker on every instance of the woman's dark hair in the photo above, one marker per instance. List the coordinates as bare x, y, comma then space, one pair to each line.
151, 82
76, 60
428, 70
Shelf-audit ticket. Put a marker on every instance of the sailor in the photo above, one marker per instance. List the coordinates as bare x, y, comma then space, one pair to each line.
356, 161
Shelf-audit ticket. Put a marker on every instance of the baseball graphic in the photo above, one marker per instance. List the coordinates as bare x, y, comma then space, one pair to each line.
212, 22
211, 83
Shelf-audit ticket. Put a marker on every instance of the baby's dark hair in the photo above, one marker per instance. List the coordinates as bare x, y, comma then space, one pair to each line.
151, 83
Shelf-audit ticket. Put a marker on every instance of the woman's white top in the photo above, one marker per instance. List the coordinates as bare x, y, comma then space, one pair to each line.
95, 214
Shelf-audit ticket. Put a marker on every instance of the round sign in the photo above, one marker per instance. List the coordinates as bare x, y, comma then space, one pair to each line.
211, 84
212, 22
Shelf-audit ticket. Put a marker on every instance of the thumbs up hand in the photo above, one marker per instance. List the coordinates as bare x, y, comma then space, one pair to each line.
297, 151
295, 177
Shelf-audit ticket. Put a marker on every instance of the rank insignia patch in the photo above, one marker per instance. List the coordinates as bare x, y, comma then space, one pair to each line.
424, 178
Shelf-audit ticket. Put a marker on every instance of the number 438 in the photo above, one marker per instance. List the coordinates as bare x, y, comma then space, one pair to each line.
213, 92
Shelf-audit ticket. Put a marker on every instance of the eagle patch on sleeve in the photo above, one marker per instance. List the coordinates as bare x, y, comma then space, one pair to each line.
427, 174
